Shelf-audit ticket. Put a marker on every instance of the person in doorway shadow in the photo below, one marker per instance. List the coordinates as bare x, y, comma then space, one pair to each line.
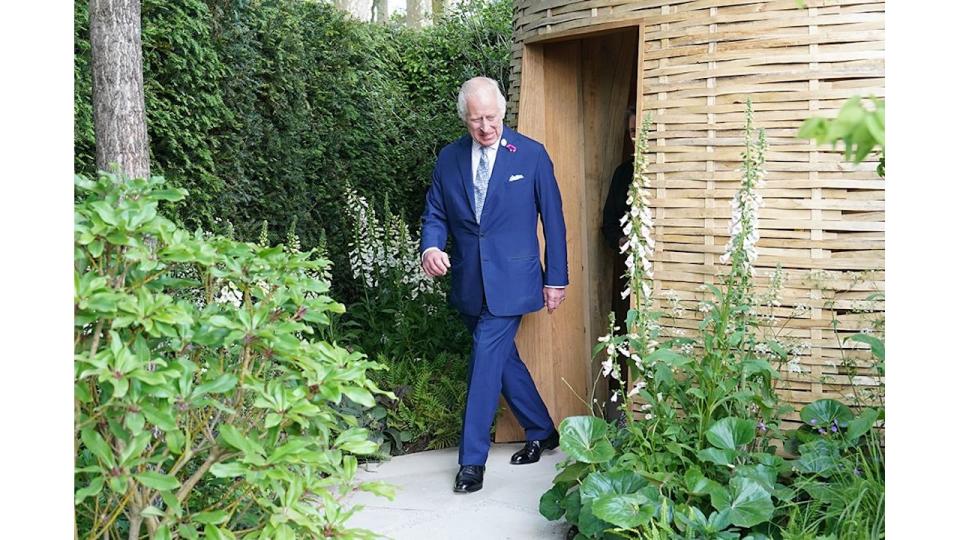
613, 210
489, 190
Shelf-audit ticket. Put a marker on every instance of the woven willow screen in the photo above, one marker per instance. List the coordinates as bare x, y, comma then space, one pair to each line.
822, 218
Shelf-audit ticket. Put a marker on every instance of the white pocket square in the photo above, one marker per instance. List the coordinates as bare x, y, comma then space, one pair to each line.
516, 177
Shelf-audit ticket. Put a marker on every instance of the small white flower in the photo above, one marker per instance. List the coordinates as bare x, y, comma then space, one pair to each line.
649, 416
607, 366
613, 398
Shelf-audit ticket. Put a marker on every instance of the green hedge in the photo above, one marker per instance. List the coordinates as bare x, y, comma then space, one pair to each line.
263, 110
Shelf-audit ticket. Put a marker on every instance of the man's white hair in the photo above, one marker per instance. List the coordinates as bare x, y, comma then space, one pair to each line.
475, 86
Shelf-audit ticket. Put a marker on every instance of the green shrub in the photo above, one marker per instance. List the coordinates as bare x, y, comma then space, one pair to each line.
203, 402
263, 109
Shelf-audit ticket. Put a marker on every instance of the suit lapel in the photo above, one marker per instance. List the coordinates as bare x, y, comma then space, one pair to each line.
466, 176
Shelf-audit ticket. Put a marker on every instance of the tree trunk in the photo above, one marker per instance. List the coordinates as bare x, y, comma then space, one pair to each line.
439, 8
415, 13
380, 10
119, 113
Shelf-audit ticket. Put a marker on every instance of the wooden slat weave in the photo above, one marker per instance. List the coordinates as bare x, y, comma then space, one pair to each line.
822, 219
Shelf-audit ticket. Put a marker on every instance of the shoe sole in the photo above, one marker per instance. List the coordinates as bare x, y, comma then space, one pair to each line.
468, 490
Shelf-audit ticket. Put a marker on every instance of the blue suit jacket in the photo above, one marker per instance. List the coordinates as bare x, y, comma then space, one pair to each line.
500, 256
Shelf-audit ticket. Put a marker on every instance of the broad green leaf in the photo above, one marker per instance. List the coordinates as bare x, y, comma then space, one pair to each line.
134, 422
749, 504
861, 425
381, 489
823, 412
731, 433
718, 456
550, 502
132, 453
159, 481
163, 533
813, 128
250, 448
272, 419
228, 470
668, 356
151, 511
752, 366
584, 438
697, 484
604, 483
167, 195
212, 532
162, 418
360, 447
213, 518
571, 505
850, 114
95, 486
223, 383
359, 396
95, 443
765, 476
626, 511
188, 531
572, 473
589, 524
876, 127
175, 440
283, 532
875, 343
120, 387
820, 457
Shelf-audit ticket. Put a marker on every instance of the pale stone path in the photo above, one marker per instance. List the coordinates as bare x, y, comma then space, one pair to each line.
426, 508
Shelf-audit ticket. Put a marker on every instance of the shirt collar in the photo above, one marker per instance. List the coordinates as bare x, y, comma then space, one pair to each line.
476, 146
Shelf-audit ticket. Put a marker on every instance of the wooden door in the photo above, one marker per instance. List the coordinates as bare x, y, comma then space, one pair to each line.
573, 95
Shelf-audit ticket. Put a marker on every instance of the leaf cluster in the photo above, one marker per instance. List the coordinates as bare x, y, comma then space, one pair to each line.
197, 413
860, 128
263, 108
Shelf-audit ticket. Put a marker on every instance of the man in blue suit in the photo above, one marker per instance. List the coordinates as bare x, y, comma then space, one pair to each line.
490, 187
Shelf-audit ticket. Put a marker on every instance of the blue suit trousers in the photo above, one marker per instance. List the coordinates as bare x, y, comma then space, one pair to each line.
495, 367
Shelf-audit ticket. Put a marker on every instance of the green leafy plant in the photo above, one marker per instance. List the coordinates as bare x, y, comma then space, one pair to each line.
696, 454
861, 129
402, 317
204, 405
262, 109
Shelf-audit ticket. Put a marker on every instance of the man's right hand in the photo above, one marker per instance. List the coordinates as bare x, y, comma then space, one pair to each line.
435, 263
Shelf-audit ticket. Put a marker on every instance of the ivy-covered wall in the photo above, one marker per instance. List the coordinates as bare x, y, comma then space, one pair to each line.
264, 109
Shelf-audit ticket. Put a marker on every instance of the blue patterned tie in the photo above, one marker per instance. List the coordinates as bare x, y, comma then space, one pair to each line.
480, 181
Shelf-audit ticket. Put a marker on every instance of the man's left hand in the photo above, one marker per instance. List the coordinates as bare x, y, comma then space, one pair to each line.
552, 297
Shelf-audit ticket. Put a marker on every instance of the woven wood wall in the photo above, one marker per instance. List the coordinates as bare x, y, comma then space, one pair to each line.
822, 220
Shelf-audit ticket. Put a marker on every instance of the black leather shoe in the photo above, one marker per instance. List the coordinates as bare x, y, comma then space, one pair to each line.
530, 453
469, 479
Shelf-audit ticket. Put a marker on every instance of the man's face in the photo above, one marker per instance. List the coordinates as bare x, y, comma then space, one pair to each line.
484, 122
632, 127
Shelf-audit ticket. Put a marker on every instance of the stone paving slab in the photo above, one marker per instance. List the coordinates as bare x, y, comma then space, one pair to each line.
426, 508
